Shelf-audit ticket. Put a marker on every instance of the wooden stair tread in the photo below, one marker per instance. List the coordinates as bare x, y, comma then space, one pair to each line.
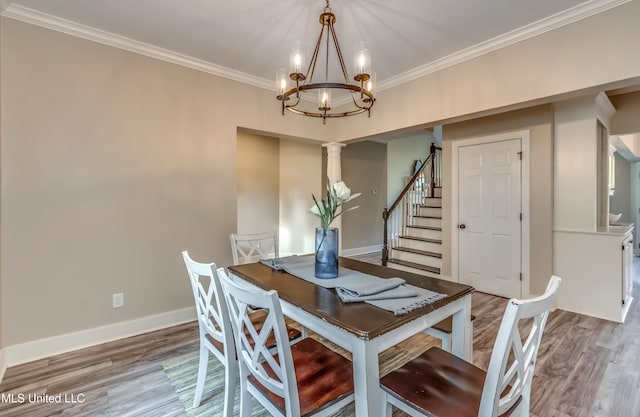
426, 227
414, 265
418, 251
428, 217
422, 239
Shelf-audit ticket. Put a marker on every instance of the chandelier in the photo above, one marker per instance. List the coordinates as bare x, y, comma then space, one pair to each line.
350, 98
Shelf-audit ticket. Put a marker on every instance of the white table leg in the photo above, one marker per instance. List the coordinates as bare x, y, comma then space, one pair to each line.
366, 378
462, 331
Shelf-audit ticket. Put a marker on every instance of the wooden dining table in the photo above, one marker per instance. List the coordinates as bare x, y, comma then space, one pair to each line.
361, 328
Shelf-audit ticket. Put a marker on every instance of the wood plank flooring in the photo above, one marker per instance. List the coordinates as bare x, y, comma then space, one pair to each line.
586, 368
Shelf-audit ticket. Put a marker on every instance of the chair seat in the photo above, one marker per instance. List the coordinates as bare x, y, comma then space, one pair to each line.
323, 377
439, 384
257, 318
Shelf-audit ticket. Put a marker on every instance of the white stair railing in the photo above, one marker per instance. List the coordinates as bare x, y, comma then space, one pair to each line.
420, 186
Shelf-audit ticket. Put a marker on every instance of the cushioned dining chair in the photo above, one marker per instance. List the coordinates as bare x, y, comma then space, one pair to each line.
438, 383
301, 379
216, 335
248, 248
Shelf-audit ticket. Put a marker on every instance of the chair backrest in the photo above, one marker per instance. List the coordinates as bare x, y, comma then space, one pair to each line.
513, 360
247, 248
273, 369
211, 305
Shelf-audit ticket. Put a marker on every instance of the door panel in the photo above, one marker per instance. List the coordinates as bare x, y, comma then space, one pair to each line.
489, 207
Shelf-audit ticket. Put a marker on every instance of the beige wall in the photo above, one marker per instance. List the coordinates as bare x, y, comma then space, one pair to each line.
276, 178
1, 169
600, 50
364, 169
538, 120
113, 162
258, 159
626, 119
576, 178
401, 153
300, 176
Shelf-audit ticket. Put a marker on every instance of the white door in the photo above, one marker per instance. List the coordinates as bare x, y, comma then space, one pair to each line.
489, 217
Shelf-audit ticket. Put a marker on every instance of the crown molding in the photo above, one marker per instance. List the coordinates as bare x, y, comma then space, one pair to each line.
27, 15
547, 24
574, 14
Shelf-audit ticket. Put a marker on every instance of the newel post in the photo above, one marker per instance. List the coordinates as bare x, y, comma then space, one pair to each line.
385, 247
432, 174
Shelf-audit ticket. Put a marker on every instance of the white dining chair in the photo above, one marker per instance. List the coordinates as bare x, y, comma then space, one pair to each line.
216, 336
438, 383
248, 248
302, 379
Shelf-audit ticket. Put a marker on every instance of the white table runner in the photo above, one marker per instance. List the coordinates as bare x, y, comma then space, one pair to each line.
391, 294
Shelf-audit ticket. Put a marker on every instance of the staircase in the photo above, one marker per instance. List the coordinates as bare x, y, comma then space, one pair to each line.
413, 224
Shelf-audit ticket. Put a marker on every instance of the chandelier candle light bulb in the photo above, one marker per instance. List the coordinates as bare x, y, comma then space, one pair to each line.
296, 61
362, 60
326, 248
324, 100
371, 83
282, 81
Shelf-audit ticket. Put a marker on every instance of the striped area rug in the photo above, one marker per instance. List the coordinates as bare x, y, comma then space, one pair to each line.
182, 371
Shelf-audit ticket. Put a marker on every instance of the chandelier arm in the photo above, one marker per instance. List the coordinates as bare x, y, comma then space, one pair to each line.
323, 114
326, 63
355, 102
314, 57
315, 86
339, 52
294, 90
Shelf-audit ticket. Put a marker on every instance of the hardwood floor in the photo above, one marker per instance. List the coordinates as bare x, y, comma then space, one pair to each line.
586, 368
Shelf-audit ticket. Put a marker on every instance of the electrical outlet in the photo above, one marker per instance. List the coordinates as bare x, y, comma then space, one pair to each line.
118, 300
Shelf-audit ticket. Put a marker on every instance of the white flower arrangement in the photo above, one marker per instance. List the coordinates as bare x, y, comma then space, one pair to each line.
337, 195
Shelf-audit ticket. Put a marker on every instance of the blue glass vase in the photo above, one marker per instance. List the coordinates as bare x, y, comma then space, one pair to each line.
326, 252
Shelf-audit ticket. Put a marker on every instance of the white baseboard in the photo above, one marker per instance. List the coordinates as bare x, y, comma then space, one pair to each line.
361, 251
38, 349
3, 365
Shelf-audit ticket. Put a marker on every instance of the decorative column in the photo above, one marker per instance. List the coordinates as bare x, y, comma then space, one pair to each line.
334, 165
334, 172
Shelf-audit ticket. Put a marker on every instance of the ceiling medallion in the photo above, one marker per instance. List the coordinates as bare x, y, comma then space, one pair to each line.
353, 98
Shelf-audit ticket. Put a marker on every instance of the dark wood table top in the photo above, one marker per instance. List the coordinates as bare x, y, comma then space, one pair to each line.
362, 319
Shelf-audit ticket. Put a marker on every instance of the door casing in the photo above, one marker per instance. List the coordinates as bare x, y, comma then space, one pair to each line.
524, 136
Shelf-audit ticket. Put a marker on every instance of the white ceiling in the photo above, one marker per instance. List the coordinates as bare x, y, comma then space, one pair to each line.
249, 40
